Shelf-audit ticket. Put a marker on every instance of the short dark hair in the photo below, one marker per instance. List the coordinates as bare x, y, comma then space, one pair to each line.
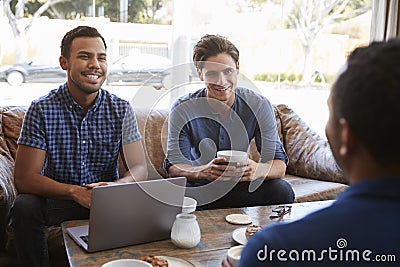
212, 45
367, 95
80, 31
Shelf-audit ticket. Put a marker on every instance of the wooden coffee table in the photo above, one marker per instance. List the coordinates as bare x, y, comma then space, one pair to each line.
216, 237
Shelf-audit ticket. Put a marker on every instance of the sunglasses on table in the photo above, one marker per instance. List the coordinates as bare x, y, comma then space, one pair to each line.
280, 211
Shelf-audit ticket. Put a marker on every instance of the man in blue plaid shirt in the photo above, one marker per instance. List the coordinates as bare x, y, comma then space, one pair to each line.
69, 143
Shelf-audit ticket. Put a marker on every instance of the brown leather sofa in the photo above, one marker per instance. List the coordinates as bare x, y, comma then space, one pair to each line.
312, 170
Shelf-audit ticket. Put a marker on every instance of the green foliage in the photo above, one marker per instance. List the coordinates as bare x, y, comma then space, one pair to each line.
274, 77
290, 77
139, 11
318, 79
358, 4
267, 77
143, 11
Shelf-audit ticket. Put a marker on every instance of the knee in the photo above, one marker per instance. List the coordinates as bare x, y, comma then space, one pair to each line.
283, 191
26, 207
286, 191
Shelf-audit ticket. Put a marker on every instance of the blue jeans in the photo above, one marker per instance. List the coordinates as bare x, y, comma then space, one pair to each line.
268, 192
30, 214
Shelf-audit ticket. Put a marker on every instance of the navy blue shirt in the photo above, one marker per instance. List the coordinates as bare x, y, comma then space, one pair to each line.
196, 133
81, 148
363, 223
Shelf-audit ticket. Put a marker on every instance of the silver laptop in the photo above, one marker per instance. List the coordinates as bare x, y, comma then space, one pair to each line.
129, 214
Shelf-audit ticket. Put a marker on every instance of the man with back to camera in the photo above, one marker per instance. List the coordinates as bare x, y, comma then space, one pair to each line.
223, 116
69, 143
361, 228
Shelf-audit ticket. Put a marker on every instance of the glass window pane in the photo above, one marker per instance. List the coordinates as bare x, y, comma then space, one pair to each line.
290, 50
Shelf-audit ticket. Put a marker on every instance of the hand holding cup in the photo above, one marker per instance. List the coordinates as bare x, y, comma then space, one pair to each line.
236, 162
232, 157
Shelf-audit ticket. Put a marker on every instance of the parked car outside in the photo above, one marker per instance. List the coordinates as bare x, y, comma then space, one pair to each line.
139, 69
32, 71
135, 69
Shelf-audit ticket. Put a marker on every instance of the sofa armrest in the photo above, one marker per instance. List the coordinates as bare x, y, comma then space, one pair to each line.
309, 155
7, 188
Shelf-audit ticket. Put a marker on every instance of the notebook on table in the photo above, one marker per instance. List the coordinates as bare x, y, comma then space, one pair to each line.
129, 214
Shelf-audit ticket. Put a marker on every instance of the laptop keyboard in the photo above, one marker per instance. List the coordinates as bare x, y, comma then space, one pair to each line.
84, 238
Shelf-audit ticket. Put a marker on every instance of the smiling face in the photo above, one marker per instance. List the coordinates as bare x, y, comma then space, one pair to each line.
220, 75
86, 65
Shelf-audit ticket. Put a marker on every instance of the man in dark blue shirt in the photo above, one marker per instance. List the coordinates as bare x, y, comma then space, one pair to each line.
223, 116
361, 228
69, 143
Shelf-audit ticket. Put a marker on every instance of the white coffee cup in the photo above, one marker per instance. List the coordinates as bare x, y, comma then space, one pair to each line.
189, 205
234, 255
233, 156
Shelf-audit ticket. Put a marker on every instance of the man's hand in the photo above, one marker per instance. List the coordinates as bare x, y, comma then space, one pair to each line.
81, 195
249, 170
219, 169
93, 185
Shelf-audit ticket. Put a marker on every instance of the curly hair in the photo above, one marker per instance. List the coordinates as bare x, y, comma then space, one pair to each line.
367, 95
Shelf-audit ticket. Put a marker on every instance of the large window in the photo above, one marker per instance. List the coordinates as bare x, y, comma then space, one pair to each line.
290, 50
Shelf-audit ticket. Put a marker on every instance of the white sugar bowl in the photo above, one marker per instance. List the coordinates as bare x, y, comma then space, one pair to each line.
185, 232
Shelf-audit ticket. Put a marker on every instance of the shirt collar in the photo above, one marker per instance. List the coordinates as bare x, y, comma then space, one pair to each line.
72, 104
388, 187
203, 93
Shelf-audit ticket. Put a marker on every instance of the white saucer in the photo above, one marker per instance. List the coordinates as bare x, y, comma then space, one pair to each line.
126, 263
239, 235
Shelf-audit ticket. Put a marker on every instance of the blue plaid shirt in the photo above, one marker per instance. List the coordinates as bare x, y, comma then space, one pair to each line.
80, 148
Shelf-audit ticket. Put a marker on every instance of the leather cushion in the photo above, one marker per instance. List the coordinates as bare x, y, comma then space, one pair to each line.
310, 155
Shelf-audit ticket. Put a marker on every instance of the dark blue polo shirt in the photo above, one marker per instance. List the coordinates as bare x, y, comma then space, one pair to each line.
361, 228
